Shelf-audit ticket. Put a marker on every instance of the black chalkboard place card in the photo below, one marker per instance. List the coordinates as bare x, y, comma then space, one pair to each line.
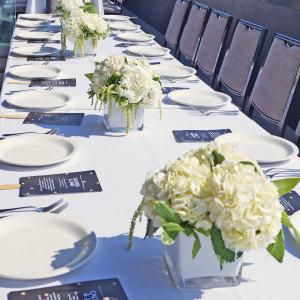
190, 136
46, 58
54, 118
110, 289
70, 82
67, 183
290, 202
43, 41
153, 63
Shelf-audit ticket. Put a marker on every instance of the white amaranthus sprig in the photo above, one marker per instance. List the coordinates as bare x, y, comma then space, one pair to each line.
221, 193
128, 82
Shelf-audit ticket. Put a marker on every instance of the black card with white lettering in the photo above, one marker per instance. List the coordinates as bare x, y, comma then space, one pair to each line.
70, 82
43, 41
46, 58
290, 202
190, 136
54, 118
89, 290
67, 183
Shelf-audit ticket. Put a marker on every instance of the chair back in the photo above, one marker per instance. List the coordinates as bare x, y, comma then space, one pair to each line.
211, 45
193, 30
240, 60
275, 85
176, 23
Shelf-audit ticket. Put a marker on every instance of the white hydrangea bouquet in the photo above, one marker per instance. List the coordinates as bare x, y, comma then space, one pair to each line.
221, 194
65, 7
124, 84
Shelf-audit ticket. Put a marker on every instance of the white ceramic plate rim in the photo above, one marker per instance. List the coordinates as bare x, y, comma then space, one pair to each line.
148, 37
178, 68
31, 24
135, 50
69, 99
231, 136
199, 91
11, 71
25, 35
63, 270
118, 18
124, 26
35, 17
36, 135
22, 53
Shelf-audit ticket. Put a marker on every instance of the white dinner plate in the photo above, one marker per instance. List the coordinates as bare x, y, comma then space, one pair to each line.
36, 150
135, 37
31, 24
264, 148
124, 26
201, 98
39, 99
43, 245
36, 17
33, 35
173, 71
35, 71
148, 51
119, 18
34, 50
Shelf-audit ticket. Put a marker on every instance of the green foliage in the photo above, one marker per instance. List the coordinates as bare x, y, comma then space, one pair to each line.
89, 76
197, 244
285, 220
276, 249
249, 163
165, 212
172, 230
89, 7
286, 185
218, 157
136, 214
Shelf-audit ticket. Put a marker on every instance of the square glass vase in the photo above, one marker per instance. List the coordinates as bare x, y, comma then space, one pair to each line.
116, 120
203, 271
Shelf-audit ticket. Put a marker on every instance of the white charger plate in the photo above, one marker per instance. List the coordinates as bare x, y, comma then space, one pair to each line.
201, 98
35, 71
39, 99
264, 148
148, 51
124, 26
173, 71
119, 18
36, 150
34, 50
36, 17
43, 245
31, 24
33, 35
135, 37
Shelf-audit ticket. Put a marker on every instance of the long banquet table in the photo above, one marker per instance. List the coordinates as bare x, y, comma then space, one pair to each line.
121, 164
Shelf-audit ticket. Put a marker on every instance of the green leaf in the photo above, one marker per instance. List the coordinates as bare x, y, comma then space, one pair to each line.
249, 163
166, 239
204, 232
285, 220
89, 76
164, 211
286, 185
223, 254
172, 229
218, 157
114, 78
197, 244
276, 249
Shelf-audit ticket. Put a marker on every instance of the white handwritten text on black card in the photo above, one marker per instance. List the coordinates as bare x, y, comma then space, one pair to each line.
43, 41
290, 202
46, 58
88, 290
54, 118
66, 183
70, 82
190, 136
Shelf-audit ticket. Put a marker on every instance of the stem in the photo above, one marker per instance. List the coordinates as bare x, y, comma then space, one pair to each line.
128, 119
136, 214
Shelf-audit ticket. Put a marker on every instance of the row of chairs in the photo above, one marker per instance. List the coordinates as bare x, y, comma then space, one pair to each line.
264, 89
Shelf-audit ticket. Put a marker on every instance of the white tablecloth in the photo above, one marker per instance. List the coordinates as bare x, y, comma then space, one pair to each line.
122, 164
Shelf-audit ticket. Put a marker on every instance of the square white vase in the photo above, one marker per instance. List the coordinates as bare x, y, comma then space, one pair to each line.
116, 120
89, 50
203, 271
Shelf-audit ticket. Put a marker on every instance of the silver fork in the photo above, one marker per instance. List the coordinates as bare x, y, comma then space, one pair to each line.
33, 208
281, 172
220, 112
60, 209
52, 131
46, 63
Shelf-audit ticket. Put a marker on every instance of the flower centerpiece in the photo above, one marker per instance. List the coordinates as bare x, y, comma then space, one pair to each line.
218, 202
124, 86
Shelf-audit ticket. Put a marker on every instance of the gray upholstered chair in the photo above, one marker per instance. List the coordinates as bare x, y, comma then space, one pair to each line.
274, 88
240, 60
211, 45
192, 32
176, 23
51, 6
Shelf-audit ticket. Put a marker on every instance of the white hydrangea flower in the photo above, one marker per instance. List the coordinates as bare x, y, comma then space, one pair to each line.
69, 6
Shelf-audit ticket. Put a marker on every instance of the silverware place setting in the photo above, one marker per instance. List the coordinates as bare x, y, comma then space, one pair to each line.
281, 172
51, 131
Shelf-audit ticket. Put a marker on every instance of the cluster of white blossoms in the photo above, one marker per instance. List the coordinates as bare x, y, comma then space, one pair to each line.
234, 195
136, 82
68, 6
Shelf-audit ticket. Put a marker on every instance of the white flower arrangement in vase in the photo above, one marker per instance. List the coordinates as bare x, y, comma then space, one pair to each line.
65, 7
220, 198
85, 29
125, 86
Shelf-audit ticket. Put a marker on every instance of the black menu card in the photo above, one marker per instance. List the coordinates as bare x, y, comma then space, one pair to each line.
70, 82
54, 118
108, 289
42, 41
67, 183
290, 202
46, 58
189, 136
